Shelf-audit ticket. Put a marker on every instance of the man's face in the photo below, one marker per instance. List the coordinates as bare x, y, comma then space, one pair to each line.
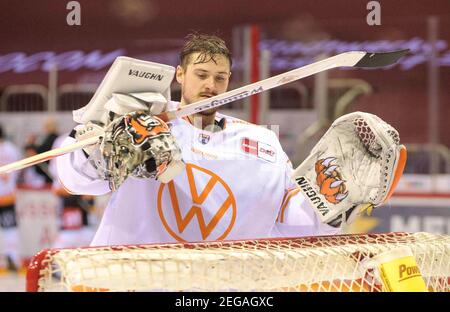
203, 80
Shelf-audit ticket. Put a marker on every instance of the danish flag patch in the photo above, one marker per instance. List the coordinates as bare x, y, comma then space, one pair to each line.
259, 149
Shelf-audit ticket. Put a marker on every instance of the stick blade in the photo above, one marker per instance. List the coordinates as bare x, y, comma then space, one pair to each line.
380, 59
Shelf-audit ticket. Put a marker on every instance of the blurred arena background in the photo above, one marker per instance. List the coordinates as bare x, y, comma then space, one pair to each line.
48, 68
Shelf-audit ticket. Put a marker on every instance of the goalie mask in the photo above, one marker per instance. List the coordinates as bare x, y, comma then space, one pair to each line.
142, 146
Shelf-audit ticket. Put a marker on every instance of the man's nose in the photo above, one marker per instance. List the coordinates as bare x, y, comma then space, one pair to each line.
210, 83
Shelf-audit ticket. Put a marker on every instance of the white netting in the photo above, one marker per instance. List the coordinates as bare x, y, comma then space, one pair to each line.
332, 263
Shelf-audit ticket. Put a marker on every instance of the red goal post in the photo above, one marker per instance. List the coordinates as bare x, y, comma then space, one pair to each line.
323, 263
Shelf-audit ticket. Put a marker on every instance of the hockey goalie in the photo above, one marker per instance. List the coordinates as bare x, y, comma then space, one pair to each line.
214, 177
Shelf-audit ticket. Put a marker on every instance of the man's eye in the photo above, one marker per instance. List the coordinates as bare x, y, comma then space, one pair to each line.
201, 76
220, 78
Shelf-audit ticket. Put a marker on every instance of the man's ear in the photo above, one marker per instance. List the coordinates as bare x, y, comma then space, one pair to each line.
179, 74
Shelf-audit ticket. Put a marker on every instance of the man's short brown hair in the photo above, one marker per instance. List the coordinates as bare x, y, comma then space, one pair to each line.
207, 45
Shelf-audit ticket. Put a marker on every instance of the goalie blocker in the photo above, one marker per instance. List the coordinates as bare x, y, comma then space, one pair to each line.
130, 141
129, 85
354, 167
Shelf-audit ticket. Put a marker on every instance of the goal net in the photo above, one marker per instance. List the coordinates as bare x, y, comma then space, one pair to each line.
324, 263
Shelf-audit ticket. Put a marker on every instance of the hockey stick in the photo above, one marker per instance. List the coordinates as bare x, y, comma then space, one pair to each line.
347, 59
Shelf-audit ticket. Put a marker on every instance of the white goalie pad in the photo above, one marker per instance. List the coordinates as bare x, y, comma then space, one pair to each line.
158, 100
143, 80
355, 165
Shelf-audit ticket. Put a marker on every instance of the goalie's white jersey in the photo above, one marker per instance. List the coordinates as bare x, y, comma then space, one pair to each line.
236, 185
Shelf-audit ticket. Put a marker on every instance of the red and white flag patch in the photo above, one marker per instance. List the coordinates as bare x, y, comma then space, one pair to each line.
249, 146
259, 149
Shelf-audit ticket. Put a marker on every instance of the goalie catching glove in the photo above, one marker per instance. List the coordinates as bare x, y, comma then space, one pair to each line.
137, 145
355, 166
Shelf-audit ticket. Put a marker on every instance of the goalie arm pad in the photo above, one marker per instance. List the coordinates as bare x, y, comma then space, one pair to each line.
77, 175
296, 217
